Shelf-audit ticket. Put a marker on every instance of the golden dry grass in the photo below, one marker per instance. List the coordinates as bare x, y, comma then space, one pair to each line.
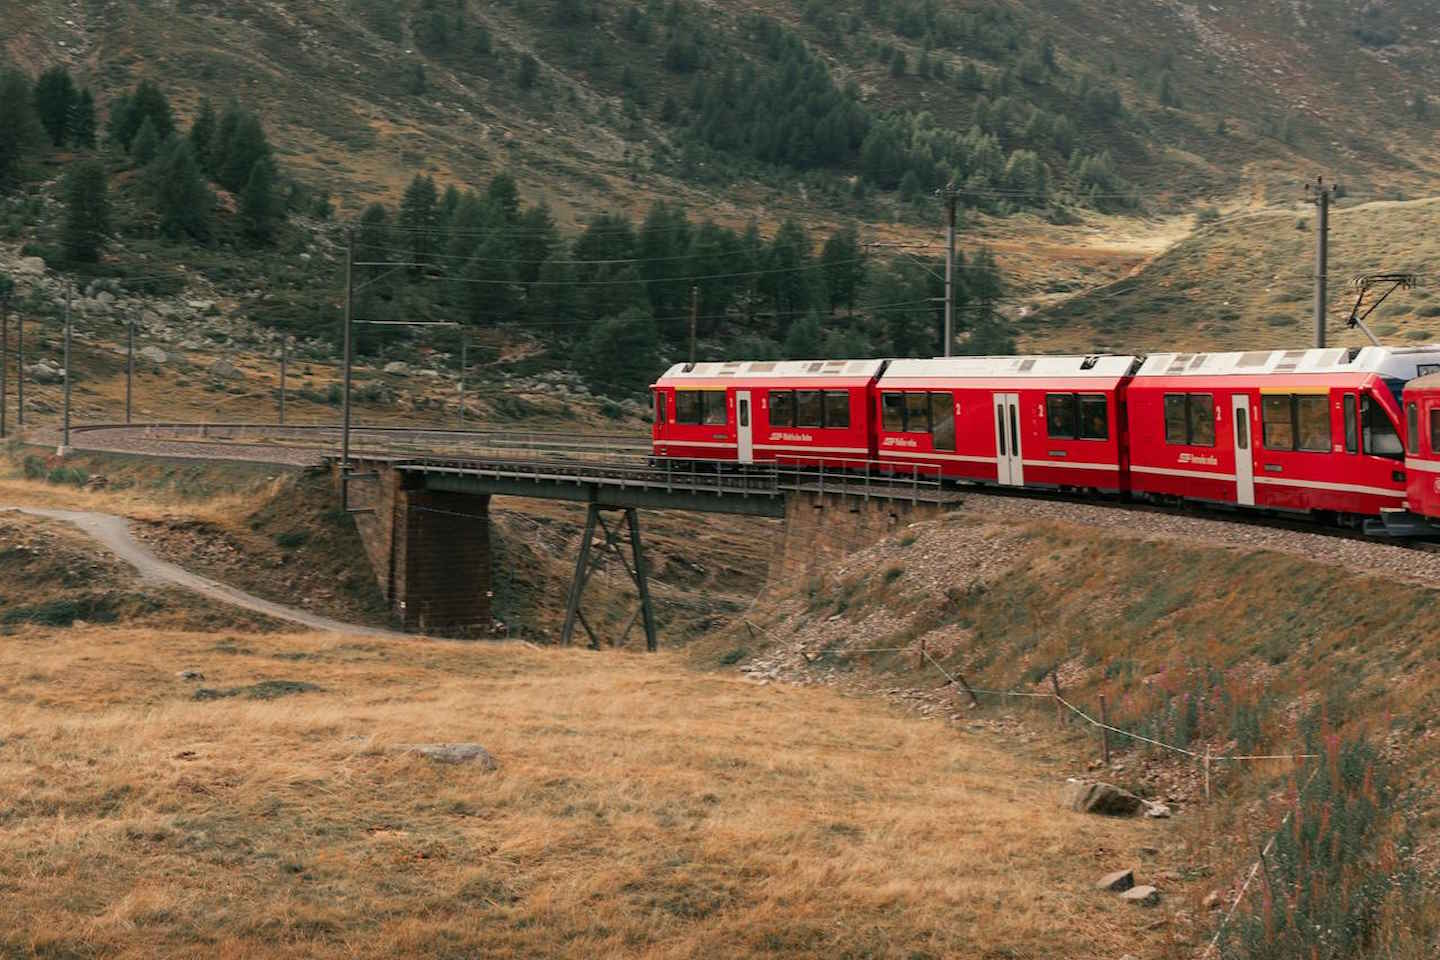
640, 808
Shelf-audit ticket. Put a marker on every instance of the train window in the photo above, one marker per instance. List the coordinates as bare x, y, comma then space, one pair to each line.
1412, 423
1242, 432
893, 409
1276, 414
1060, 414
712, 405
659, 407
1176, 427
917, 413
1094, 418
1312, 423
837, 408
687, 406
809, 411
782, 408
742, 412
1377, 432
1434, 431
1202, 420
1352, 425
942, 420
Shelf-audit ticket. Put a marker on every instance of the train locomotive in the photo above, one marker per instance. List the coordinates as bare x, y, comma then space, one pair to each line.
1349, 435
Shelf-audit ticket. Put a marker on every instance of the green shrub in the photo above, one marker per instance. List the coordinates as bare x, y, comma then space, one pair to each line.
734, 656
1417, 334
73, 476
1207, 215
1279, 320
894, 573
291, 539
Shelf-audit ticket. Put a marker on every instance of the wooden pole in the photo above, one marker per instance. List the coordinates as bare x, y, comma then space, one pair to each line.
920, 663
1104, 731
974, 701
1207, 773
1059, 707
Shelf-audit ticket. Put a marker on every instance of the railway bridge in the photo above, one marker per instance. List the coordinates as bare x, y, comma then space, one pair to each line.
424, 520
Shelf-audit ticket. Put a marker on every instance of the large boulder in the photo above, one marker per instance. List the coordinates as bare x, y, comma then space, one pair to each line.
29, 266
455, 753
225, 370
153, 354
1105, 799
397, 366
45, 372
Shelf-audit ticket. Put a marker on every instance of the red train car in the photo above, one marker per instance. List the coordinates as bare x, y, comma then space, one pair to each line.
811, 411
1292, 430
1052, 422
1422, 447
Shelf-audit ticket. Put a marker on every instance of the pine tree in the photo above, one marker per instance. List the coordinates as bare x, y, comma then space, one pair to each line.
242, 145
805, 339
536, 240
492, 297
788, 280
55, 97
621, 353
182, 198
20, 131
504, 195
529, 71
82, 120
145, 145
260, 209
842, 268
664, 234
202, 134
419, 217
372, 238
87, 211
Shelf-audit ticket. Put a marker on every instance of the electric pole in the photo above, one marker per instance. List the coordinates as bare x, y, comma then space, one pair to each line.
129, 371
4, 346
20, 371
345, 396
1322, 195
950, 198
694, 319
284, 357
65, 434
460, 390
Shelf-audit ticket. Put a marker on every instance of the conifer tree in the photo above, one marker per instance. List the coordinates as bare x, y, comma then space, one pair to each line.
87, 211
82, 120
202, 135
146, 144
260, 208
19, 129
55, 97
182, 198
419, 218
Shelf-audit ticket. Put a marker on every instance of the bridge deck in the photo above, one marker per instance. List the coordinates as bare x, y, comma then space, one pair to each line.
757, 489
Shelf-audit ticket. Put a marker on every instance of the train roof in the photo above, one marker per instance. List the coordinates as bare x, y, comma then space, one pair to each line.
1431, 381
1401, 363
773, 370
1100, 367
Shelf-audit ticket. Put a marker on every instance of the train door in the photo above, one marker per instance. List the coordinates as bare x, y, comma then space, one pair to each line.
745, 452
1011, 469
1244, 455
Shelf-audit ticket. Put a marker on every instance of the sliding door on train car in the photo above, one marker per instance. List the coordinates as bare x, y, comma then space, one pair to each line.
1010, 465
745, 449
1244, 455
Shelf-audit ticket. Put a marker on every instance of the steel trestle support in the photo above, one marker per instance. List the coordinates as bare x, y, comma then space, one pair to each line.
590, 559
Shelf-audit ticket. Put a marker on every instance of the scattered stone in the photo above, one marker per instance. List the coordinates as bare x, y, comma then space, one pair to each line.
455, 753
1145, 896
1119, 881
153, 354
1101, 798
1156, 811
397, 366
105, 297
30, 266
190, 675
1213, 900
45, 372
226, 370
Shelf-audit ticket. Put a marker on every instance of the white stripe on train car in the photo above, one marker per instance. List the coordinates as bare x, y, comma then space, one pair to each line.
1336, 487
693, 443
1071, 464
1425, 466
1168, 472
960, 458
778, 446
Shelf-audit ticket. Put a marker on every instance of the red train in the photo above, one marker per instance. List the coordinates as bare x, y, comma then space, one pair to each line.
1302, 431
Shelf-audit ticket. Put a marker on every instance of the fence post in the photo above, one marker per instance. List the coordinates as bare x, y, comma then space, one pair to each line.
1207, 773
1104, 731
1059, 707
920, 660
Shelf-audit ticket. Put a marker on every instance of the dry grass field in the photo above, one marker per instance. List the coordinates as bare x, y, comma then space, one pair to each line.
639, 808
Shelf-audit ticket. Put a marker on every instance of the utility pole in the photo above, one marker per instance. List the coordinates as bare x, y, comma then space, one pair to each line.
345, 401
950, 199
1322, 194
4, 348
284, 357
129, 371
20, 371
694, 319
460, 408
65, 434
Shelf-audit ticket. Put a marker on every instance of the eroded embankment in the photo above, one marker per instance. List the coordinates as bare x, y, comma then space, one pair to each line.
1207, 636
